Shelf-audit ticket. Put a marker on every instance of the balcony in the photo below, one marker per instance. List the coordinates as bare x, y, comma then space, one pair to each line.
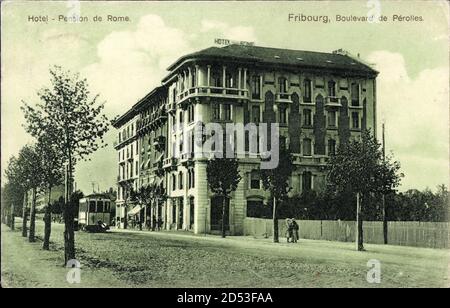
152, 121
170, 162
333, 101
203, 91
283, 98
310, 160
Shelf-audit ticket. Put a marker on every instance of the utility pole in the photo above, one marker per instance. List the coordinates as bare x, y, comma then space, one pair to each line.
385, 222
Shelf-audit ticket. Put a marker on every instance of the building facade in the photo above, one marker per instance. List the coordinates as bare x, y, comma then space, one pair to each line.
319, 101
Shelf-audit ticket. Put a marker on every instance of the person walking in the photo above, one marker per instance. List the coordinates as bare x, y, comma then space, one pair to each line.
295, 228
289, 230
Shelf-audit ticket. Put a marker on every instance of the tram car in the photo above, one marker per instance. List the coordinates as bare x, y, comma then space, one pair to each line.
94, 214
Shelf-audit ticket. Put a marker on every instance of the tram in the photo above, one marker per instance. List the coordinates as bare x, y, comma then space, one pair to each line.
94, 214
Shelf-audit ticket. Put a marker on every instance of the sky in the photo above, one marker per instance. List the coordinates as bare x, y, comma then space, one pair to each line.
123, 61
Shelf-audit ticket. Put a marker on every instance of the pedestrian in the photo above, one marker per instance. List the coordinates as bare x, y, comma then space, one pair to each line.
153, 223
295, 228
288, 230
160, 223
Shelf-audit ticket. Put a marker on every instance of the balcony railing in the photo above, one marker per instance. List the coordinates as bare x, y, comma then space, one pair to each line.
212, 91
283, 97
333, 101
310, 160
170, 162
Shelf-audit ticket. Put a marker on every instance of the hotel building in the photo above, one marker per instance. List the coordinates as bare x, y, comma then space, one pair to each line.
318, 99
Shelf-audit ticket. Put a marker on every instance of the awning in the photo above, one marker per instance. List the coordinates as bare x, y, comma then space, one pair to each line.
135, 210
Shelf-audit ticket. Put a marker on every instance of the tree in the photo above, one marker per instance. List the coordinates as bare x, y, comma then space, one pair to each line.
12, 193
223, 178
146, 195
276, 181
52, 175
75, 123
30, 171
358, 166
127, 188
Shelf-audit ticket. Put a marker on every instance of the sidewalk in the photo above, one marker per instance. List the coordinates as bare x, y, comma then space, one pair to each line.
27, 265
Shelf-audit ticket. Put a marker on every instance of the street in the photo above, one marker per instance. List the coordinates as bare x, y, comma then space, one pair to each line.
126, 258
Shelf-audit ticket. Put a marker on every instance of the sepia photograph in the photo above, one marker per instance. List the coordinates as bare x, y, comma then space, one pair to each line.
237, 147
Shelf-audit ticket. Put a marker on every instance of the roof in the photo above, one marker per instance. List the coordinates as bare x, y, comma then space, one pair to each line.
145, 101
278, 56
97, 196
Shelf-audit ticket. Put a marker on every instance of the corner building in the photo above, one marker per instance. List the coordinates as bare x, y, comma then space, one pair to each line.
318, 99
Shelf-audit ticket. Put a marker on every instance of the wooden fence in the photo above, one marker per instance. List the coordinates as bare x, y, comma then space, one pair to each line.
405, 233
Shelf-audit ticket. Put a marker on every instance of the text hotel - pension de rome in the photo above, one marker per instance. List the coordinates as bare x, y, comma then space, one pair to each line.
318, 99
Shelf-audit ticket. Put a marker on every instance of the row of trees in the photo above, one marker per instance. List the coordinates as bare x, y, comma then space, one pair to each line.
358, 171
411, 205
67, 125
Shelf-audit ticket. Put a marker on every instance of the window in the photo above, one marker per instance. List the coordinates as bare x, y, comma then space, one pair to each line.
107, 207
193, 78
283, 142
191, 113
256, 114
229, 81
282, 85
217, 79
255, 180
181, 120
331, 147
137, 167
307, 91
180, 180
193, 178
227, 112
355, 94
307, 117
332, 118
331, 88
307, 149
174, 182
92, 206
282, 114
355, 120
306, 181
174, 94
99, 206
181, 140
256, 87
216, 111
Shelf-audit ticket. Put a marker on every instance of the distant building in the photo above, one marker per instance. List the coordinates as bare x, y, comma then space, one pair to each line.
318, 99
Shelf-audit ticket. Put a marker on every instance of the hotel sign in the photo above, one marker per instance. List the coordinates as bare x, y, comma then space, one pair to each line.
220, 41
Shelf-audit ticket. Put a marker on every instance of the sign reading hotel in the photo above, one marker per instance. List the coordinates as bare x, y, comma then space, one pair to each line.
226, 42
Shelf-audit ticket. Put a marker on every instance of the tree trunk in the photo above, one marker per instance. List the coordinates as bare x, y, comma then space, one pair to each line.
24, 214
385, 222
47, 222
69, 234
125, 218
31, 236
224, 204
359, 225
12, 223
275, 222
